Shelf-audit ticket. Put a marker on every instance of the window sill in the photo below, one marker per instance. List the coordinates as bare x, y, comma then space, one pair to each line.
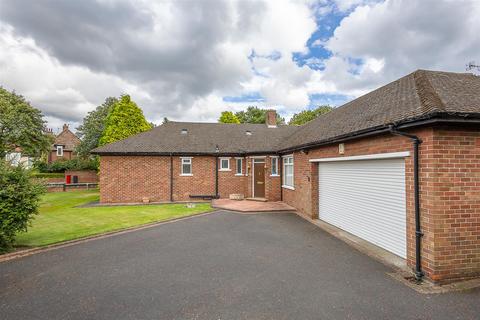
224, 169
274, 175
239, 174
288, 187
186, 175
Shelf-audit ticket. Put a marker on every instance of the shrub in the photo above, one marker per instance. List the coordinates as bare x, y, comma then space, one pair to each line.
19, 201
62, 165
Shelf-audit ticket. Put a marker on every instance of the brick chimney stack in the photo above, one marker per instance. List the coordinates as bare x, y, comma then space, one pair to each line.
65, 127
271, 118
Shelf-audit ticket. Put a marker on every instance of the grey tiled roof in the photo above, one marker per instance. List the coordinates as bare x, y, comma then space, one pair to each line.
419, 95
202, 138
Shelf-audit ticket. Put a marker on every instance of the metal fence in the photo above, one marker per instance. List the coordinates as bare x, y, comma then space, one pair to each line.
65, 186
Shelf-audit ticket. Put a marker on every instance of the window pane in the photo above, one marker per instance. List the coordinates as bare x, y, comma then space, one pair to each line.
274, 165
239, 166
187, 168
224, 164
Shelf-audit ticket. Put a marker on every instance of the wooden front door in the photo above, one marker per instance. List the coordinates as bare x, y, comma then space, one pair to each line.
259, 180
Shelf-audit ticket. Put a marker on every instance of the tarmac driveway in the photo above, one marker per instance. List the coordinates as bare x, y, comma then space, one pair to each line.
218, 266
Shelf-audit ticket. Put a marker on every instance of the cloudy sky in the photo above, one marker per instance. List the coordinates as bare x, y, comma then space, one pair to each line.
188, 60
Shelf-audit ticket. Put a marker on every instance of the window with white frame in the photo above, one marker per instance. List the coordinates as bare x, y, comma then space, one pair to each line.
274, 166
60, 151
288, 171
239, 168
224, 164
186, 166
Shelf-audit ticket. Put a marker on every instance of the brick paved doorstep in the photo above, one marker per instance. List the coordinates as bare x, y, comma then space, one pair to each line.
251, 206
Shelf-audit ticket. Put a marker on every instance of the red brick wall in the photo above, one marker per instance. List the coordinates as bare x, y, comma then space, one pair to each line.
132, 178
454, 202
67, 155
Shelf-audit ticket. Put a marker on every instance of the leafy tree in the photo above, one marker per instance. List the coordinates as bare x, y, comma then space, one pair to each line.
308, 115
21, 125
19, 201
228, 117
91, 130
124, 120
255, 115
165, 120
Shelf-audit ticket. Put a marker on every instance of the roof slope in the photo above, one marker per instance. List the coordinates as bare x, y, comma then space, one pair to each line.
418, 95
202, 138
66, 138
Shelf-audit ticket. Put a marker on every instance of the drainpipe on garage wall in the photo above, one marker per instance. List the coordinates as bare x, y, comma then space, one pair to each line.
416, 182
171, 178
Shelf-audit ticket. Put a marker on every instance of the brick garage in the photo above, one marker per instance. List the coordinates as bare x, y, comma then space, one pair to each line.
442, 109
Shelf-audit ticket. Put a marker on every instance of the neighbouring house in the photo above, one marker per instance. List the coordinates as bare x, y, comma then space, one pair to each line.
398, 167
64, 145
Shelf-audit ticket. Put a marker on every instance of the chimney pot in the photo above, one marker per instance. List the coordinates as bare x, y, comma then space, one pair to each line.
271, 118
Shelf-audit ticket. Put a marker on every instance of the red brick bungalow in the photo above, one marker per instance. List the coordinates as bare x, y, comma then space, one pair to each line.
398, 167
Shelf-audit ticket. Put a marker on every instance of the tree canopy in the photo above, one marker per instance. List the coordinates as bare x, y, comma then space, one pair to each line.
228, 117
21, 125
124, 120
91, 130
308, 115
251, 115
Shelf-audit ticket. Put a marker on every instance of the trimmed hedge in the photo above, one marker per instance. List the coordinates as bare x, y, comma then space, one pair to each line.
61, 166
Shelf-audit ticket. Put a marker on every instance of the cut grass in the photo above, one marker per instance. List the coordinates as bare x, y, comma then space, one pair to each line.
59, 219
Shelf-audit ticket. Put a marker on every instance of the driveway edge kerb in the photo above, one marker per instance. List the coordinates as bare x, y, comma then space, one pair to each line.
28, 252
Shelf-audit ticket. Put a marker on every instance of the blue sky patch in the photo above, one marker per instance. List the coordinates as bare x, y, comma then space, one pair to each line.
248, 97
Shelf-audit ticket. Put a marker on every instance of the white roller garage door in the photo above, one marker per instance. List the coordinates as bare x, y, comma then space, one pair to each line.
366, 198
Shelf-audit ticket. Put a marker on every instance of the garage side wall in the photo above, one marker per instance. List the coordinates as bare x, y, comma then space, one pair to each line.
454, 203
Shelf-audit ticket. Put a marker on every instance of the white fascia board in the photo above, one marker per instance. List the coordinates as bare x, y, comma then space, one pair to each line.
390, 155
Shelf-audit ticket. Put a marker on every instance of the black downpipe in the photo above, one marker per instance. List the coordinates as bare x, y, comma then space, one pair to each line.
171, 178
280, 164
216, 178
416, 182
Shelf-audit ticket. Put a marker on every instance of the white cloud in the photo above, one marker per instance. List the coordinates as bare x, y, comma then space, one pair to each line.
178, 59
172, 57
394, 38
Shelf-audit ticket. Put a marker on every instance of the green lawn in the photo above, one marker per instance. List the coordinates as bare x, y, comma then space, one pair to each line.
59, 220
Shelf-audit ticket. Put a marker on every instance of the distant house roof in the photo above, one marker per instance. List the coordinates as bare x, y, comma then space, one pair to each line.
67, 139
418, 96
